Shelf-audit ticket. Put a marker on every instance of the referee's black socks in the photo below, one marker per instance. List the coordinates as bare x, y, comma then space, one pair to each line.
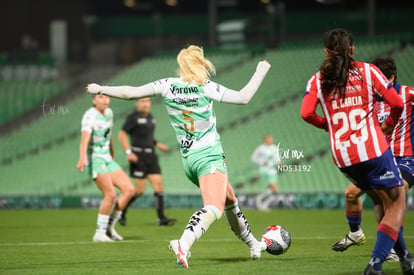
159, 204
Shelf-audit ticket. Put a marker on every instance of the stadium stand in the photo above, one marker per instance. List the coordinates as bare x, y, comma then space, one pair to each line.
20, 96
41, 157
404, 60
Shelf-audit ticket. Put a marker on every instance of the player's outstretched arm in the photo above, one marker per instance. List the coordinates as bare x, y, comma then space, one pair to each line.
123, 92
247, 92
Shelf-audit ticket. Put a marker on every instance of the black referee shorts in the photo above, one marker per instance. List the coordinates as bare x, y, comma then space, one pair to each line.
147, 164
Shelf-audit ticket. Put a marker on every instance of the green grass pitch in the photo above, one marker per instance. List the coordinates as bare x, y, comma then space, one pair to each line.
60, 242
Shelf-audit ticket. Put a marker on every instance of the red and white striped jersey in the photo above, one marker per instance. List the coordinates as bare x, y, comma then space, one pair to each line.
402, 138
354, 131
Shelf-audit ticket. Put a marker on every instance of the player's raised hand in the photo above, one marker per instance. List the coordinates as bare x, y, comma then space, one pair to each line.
263, 65
93, 88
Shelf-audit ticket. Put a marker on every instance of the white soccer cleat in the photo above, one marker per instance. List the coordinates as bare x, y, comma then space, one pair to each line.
100, 237
182, 255
114, 235
256, 251
352, 238
392, 257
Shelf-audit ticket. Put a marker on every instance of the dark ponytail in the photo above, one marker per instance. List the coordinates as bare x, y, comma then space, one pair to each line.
338, 63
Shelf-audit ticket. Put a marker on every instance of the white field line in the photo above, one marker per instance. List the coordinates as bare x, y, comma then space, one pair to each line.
166, 241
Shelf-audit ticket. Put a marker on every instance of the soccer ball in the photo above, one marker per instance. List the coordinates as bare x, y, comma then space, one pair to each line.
277, 239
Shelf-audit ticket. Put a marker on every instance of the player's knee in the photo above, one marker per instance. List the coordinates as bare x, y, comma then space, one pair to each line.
110, 196
351, 196
158, 188
130, 191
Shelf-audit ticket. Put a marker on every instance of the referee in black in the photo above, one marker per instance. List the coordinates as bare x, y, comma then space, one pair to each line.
143, 162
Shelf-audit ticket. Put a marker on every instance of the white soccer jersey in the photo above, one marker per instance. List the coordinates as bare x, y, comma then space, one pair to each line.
190, 108
100, 127
267, 157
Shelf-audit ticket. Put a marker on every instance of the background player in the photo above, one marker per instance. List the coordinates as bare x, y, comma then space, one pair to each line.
346, 91
143, 162
189, 101
266, 156
96, 153
402, 146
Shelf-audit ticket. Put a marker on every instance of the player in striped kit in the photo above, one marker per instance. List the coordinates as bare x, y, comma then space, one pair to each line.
189, 102
347, 91
96, 154
401, 141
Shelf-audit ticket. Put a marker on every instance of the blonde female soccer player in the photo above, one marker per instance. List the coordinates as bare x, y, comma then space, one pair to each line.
96, 154
189, 102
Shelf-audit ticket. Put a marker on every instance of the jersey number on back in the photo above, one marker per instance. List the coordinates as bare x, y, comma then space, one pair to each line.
190, 119
349, 121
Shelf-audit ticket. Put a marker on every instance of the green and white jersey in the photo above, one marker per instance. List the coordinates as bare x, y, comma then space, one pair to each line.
100, 127
267, 157
190, 108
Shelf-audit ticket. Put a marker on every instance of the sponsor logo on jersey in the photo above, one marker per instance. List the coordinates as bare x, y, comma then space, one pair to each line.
186, 101
353, 88
175, 90
187, 142
355, 78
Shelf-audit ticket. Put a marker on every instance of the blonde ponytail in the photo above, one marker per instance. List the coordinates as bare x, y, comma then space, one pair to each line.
193, 66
